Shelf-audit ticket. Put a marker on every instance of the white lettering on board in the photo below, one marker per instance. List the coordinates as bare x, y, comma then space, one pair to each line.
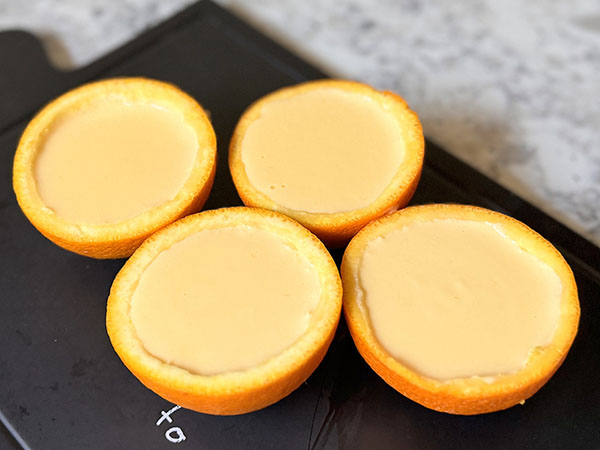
173, 434
167, 415
179, 436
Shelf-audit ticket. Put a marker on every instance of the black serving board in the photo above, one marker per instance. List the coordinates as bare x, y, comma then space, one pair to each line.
63, 387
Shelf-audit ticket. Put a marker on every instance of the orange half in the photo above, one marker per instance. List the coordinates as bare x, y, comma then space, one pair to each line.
231, 391
334, 228
119, 239
459, 395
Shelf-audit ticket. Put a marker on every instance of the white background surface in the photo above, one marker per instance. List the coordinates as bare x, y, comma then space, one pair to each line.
511, 87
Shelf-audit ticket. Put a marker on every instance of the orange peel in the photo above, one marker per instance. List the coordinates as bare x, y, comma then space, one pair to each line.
114, 240
472, 395
240, 391
335, 229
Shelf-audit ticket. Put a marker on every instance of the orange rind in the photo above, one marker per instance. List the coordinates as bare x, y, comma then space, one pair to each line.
114, 240
336, 228
471, 395
238, 391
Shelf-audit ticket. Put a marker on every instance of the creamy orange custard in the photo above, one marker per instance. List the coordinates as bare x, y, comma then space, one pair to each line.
224, 299
113, 160
325, 150
456, 298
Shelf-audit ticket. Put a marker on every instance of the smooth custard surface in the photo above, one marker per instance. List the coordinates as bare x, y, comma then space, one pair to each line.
456, 298
224, 299
113, 160
323, 151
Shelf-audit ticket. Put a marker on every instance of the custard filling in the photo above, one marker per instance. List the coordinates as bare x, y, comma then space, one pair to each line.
113, 160
224, 300
323, 151
456, 298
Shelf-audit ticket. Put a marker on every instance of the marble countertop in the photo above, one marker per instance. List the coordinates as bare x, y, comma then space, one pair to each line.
511, 87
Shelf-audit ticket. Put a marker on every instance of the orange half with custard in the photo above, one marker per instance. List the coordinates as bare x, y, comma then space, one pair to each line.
107, 164
226, 311
332, 154
461, 309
